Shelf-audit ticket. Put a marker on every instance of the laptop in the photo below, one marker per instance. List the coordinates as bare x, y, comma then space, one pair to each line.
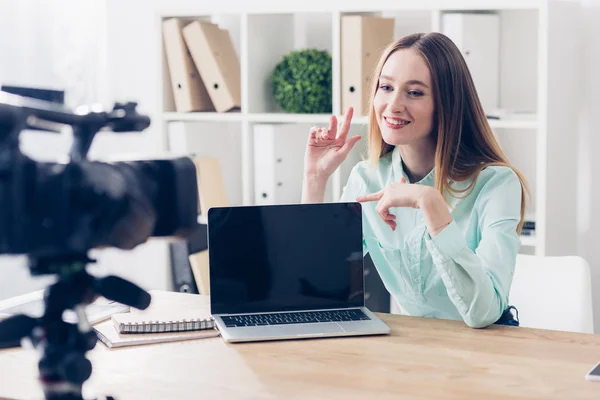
288, 272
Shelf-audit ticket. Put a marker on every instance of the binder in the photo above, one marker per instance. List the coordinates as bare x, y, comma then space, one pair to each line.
217, 62
197, 246
189, 91
363, 40
183, 278
478, 38
211, 188
181, 252
199, 265
211, 193
278, 163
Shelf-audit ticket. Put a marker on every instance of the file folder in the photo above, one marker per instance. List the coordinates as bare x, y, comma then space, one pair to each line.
200, 269
189, 91
183, 279
477, 36
211, 188
363, 40
217, 62
190, 272
278, 163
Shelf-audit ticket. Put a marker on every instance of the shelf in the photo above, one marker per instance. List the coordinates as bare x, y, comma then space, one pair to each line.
529, 101
526, 123
315, 118
202, 116
529, 241
322, 119
513, 123
289, 118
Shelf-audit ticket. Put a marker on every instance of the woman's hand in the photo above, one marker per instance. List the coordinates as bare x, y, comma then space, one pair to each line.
397, 194
327, 149
402, 194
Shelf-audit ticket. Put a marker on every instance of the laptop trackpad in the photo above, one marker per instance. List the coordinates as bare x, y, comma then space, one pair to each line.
325, 328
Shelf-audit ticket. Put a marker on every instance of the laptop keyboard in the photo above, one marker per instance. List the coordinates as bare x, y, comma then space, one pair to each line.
302, 317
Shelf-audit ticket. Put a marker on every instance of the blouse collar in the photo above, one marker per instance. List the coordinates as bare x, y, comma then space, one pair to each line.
399, 170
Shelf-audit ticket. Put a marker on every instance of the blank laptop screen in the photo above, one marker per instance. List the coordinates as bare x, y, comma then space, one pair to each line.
285, 257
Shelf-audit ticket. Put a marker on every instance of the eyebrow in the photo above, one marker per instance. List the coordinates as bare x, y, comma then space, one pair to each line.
411, 82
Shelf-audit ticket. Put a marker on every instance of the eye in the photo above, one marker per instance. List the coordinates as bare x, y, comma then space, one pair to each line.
415, 93
385, 87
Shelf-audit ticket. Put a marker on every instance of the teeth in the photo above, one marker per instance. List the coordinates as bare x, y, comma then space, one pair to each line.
397, 122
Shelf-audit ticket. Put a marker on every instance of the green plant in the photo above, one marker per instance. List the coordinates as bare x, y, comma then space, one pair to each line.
302, 82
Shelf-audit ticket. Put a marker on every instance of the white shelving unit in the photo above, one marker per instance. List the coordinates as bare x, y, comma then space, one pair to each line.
537, 76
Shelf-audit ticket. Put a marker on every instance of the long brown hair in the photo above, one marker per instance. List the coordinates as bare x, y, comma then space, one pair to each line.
465, 141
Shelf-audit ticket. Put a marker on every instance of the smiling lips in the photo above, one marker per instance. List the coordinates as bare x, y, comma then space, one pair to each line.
396, 123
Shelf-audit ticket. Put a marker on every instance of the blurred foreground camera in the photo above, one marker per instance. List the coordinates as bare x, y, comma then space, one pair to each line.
56, 212
48, 208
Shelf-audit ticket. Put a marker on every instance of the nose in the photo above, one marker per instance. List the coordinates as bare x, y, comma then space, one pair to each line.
397, 104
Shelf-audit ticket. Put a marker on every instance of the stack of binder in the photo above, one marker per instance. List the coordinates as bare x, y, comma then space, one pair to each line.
189, 258
203, 65
189, 91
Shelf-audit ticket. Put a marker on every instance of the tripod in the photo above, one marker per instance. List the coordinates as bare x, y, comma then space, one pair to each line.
63, 367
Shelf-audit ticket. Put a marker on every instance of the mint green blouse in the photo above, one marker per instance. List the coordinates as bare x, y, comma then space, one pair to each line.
465, 271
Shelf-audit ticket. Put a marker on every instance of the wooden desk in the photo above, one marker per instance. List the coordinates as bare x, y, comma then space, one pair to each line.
421, 359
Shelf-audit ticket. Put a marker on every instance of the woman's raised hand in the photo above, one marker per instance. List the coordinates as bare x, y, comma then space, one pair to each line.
328, 148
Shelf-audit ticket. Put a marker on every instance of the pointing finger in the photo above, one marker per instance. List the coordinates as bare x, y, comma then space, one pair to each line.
370, 197
346, 125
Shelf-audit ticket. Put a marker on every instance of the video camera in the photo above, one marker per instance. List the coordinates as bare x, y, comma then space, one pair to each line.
56, 212
48, 209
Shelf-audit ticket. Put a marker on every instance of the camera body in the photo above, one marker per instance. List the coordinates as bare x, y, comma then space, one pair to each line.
49, 208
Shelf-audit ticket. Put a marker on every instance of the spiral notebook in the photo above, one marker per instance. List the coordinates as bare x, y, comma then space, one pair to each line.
166, 314
171, 317
108, 335
133, 323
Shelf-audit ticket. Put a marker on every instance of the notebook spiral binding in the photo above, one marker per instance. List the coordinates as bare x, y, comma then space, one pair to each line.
166, 326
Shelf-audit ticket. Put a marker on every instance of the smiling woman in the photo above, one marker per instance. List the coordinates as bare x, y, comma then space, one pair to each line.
442, 206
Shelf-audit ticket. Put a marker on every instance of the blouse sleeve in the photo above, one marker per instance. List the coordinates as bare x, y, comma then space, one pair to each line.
478, 282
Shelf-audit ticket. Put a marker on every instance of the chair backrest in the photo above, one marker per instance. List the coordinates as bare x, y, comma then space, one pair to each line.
553, 293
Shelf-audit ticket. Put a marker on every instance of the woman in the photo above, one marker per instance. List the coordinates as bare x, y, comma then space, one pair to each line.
442, 206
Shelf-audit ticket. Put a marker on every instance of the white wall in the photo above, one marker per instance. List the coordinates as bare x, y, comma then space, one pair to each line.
589, 168
62, 44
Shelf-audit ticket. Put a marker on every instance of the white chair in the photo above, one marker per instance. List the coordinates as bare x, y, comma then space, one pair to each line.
553, 293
